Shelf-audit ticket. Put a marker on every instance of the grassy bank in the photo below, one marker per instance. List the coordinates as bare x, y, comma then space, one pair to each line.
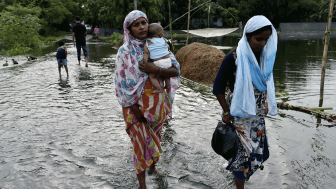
46, 40
113, 39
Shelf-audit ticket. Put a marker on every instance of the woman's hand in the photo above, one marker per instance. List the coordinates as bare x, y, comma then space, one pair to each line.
227, 119
148, 67
138, 114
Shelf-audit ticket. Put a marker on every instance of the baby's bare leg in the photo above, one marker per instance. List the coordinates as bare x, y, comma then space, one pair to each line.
167, 82
155, 83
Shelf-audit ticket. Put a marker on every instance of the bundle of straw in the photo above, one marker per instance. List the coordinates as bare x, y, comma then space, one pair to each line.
200, 62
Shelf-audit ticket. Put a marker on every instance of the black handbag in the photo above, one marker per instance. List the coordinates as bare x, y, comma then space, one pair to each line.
225, 140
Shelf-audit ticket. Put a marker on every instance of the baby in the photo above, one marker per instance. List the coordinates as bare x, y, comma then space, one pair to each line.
156, 49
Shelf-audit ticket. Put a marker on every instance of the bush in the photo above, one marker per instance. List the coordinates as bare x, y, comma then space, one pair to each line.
114, 38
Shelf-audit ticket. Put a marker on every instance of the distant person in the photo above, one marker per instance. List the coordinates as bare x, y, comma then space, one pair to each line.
61, 56
156, 48
96, 31
79, 32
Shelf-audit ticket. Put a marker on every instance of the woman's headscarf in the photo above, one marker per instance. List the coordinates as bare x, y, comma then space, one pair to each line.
249, 73
129, 80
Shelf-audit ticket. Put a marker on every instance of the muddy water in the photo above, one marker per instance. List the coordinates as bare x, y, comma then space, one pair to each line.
69, 132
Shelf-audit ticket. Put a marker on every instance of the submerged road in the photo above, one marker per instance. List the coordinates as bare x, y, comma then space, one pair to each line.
69, 133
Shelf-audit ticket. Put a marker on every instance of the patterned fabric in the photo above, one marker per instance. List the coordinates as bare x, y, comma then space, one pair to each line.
146, 138
253, 147
249, 74
129, 80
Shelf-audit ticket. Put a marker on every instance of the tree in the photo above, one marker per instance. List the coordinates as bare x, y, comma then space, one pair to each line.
112, 13
19, 28
54, 14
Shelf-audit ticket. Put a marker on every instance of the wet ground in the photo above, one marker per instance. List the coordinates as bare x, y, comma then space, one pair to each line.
69, 132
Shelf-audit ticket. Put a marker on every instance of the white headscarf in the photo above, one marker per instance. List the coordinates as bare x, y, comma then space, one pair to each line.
249, 73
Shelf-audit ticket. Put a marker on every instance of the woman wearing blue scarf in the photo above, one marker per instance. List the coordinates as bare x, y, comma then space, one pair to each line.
248, 70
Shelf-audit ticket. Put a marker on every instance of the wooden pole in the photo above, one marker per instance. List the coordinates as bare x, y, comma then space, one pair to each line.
135, 4
326, 44
188, 22
209, 15
171, 29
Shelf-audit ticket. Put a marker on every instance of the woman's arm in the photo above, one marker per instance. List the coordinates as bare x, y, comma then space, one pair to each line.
149, 67
138, 114
221, 99
220, 84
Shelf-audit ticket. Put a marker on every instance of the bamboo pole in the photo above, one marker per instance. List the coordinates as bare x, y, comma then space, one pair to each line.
209, 16
187, 12
323, 115
188, 22
325, 51
135, 4
171, 29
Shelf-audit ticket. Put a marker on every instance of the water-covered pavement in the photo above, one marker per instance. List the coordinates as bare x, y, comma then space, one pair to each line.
69, 132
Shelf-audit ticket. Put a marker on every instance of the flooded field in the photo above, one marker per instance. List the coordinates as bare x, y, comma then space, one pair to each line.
69, 132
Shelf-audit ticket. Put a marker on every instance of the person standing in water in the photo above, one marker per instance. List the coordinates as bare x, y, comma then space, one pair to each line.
79, 33
248, 70
61, 56
144, 113
96, 31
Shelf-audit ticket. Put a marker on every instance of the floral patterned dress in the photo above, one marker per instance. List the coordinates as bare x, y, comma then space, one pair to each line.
146, 137
253, 147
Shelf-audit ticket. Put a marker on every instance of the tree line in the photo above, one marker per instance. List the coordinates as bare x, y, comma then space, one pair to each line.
111, 13
24, 22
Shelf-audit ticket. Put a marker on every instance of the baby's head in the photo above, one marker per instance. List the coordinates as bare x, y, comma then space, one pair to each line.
61, 43
155, 30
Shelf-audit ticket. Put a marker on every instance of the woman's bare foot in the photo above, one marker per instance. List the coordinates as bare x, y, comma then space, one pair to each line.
154, 172
157, 91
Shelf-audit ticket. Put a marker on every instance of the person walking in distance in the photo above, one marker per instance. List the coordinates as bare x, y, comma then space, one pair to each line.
79, 33
96, 31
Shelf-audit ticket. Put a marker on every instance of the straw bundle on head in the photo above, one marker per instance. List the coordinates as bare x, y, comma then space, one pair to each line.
200, 62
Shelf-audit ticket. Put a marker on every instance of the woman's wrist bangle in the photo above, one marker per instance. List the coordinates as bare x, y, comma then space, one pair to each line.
226, 113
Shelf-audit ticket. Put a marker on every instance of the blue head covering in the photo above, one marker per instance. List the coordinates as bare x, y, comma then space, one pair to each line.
250, 74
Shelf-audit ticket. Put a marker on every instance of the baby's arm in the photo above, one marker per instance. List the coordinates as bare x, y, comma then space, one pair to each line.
146, 54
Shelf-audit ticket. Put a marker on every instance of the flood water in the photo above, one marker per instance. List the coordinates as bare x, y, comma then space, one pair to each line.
69, 132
